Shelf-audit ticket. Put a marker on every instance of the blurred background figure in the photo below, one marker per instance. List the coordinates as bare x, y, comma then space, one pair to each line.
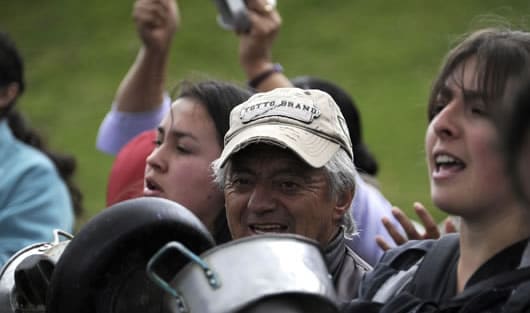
37, 190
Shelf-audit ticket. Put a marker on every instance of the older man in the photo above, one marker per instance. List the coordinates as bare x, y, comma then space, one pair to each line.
287, 168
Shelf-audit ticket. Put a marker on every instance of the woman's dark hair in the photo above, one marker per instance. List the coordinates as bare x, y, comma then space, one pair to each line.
514, 122
500, 54
12, 70
218, 98
363, 158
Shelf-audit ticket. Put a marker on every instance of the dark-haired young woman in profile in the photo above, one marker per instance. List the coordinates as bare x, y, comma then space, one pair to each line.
486, 266
37, 191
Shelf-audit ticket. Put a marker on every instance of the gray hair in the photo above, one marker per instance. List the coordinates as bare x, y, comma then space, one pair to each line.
341, 173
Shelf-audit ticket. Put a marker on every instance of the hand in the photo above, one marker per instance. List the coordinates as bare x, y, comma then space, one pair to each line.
450, 224
255, 47
156, 22
431, 228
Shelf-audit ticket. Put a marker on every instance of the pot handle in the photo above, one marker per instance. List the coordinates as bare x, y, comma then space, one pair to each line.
212, 278
59, 232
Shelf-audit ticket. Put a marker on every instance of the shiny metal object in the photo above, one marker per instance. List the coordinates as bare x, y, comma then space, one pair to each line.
16, 298
233, 15
248, 270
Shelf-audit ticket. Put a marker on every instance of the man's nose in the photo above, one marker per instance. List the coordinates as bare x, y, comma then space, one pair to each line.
261, 199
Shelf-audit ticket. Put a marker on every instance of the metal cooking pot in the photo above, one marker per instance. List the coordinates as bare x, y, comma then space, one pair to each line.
230, 277
103, 268
24, 279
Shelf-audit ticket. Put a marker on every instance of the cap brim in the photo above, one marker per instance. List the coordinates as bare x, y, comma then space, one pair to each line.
314, 150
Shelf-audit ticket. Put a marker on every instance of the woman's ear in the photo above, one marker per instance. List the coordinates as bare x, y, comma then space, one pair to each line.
8, 94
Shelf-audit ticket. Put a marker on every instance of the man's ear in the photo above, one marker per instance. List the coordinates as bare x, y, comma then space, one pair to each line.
342, 204
8, 94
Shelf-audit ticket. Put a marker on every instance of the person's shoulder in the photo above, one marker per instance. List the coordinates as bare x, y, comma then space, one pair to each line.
28, 163
394, 269
410, 248
32, 158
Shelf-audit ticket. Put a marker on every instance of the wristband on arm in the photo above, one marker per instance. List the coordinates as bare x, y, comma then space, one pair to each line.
261, 77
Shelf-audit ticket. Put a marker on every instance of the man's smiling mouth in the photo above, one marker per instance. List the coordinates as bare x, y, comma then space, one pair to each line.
268, 228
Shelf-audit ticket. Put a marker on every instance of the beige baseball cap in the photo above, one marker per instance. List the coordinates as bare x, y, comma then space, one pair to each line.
308, 122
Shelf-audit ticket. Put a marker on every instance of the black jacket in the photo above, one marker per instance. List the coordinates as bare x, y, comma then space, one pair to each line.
420, 277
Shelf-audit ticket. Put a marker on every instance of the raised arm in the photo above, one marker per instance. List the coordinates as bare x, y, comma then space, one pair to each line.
143, 87
255, 47
140, 101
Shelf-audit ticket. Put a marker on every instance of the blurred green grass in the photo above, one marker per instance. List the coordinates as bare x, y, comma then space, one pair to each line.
386, 53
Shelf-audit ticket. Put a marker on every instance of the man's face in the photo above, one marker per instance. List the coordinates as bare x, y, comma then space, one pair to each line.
270, 190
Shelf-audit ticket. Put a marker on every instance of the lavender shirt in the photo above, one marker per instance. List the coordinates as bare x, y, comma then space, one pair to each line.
368, 207
118, 128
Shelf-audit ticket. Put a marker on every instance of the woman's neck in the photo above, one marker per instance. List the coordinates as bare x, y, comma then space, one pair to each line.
482, 239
